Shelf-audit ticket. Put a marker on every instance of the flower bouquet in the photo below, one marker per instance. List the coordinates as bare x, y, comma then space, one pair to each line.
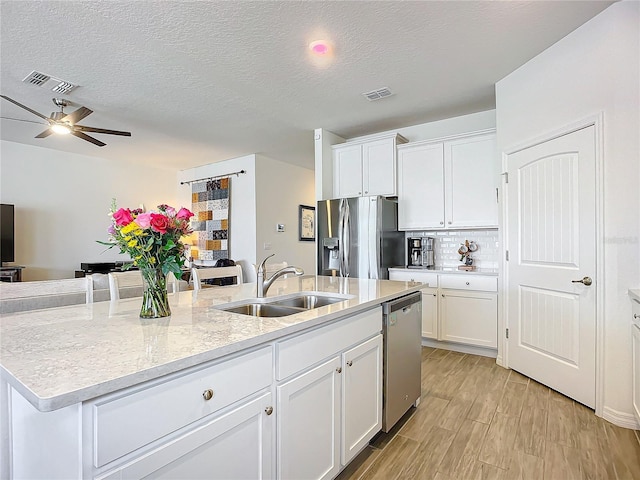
152, 240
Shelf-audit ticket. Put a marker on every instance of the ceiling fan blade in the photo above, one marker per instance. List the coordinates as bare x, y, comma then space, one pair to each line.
76, 116
44, 134
22, 106
22, 120
88, 138
82, 128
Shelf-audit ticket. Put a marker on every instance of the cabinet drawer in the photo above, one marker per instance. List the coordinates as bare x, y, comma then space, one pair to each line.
303, 351
430, 279
129, 420
469, 282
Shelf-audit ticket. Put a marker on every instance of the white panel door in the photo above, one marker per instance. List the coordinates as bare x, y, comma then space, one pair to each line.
379, 167
421, 187
309, 424
552, 246
347, 171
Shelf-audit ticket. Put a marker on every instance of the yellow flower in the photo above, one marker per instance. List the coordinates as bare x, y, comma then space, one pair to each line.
133, 243
152, 260
133, 227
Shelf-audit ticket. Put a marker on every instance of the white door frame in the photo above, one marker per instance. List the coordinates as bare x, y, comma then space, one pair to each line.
597, 121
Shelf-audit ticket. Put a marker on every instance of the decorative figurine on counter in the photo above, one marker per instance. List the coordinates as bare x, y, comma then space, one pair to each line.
465, 251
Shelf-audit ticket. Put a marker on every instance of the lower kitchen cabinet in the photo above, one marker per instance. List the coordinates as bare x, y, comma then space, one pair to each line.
460, 308
309, 423
362, 397
635, 354
328, 412
430, 313
469, 317
235, 445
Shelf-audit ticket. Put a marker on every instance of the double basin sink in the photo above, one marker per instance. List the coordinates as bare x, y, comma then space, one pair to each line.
283, 306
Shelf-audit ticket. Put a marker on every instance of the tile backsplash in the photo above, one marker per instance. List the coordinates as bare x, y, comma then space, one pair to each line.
448, 242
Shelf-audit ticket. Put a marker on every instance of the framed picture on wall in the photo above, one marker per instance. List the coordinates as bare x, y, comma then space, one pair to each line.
307, 223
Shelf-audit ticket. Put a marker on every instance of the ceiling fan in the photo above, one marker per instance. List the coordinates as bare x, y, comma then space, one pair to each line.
63, 123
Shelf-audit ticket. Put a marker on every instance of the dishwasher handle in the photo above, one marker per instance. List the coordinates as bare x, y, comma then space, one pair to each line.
401, 303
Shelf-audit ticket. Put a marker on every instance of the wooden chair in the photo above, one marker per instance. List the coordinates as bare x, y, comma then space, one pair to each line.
200, 274
24, 296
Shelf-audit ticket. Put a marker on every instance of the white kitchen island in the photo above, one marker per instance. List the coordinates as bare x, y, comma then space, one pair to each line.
93, 391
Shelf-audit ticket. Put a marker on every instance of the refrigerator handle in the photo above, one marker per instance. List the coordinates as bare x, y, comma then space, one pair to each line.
375, 236
343, 229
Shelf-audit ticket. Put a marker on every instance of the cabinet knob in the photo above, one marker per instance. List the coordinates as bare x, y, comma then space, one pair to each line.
442, 295
339, 369
636, 316
207, 394
350, 363
441, 223
268, 410
366, 193
435, 295
449, 222
359, 193
467, 283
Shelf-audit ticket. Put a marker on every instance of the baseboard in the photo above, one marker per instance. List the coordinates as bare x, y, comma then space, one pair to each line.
621, 419
458, 347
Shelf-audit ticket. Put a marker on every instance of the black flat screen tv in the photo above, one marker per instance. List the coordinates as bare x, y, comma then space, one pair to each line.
7, 236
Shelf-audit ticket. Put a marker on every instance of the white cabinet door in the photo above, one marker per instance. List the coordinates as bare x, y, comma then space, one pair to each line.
421, 187
347, 171
469, 317
379, 167
471, 181
235, 445
309, 423
362, 396
430, 313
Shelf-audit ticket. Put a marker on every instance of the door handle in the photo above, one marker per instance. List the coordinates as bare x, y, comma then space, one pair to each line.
586, 280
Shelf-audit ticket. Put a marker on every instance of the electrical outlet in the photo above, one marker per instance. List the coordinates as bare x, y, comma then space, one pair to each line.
267, 246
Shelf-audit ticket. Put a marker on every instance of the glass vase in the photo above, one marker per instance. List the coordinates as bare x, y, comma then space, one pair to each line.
155, 302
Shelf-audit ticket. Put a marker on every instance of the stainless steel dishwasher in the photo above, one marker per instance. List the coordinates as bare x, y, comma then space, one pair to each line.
402, 357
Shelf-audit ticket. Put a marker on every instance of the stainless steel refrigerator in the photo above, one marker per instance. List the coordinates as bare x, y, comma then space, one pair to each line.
358, 237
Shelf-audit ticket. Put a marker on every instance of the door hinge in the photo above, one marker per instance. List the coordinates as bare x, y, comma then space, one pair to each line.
507, 333
497, 198
506, 255
506, 177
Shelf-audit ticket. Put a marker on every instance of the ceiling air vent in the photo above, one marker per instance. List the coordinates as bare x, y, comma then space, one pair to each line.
43, 80
378, 94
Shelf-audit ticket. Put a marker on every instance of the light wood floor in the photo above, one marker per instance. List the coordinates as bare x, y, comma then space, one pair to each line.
477, 420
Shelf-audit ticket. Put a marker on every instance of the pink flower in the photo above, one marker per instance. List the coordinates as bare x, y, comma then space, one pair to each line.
123, 217
143, 220
111, 230
170, 211
184, 214
159, 222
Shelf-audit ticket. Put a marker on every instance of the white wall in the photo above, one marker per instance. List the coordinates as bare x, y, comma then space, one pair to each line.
447, 127
594, 69
281, 189
62, 201
243, 213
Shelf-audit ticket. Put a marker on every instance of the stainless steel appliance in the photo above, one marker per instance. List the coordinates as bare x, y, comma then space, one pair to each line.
402, 359
358, 237
420, 252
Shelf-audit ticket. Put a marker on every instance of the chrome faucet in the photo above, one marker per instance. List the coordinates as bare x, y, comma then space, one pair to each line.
263, 285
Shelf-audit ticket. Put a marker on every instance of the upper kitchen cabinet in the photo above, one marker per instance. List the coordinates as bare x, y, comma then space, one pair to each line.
448, 184
363, 168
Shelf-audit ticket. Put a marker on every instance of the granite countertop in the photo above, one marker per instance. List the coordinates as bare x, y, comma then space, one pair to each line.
60, 356
635, 294
447, 270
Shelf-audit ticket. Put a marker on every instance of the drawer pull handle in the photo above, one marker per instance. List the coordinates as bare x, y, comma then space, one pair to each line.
207, 394
636, 316
350, 363
339, 369
268, 410
467, 283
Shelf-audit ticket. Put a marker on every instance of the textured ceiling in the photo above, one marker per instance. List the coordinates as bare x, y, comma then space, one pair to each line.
202, 81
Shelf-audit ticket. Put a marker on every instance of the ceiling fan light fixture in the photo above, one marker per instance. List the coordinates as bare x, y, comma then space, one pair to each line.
60, 129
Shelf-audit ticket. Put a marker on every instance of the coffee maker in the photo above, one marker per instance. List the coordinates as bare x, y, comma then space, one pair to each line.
414, 252
420, 252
